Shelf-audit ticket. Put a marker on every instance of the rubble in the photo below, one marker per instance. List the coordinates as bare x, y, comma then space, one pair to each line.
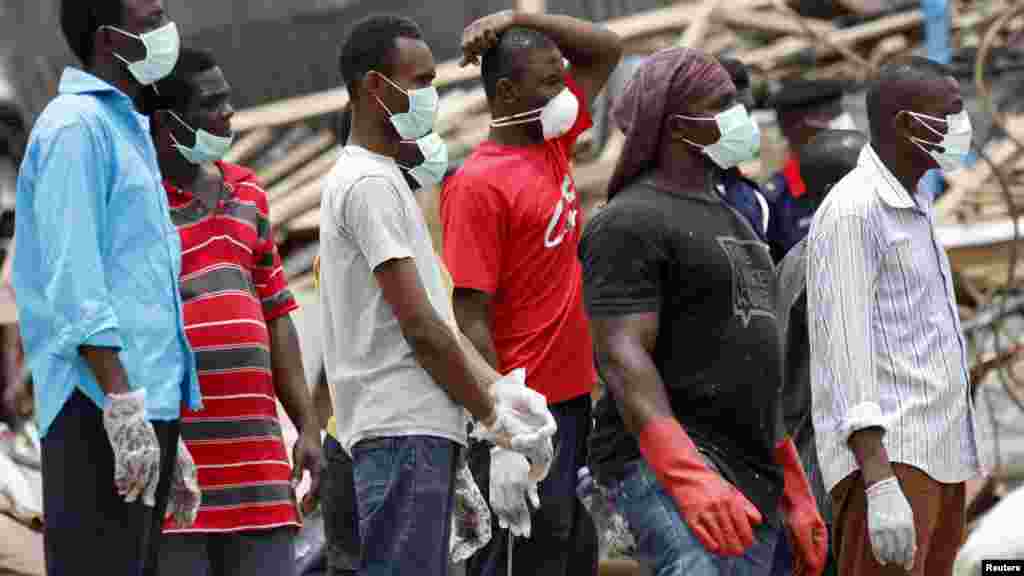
974, 218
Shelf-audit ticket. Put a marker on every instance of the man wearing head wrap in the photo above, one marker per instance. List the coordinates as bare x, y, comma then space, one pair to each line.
833, 154
804, 108
680, 292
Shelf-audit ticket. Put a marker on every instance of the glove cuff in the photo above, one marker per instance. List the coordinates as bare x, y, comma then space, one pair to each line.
668, 449
795, 483
126, 401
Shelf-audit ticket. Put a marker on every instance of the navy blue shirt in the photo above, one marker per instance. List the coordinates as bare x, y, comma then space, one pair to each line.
745, 197
791, 215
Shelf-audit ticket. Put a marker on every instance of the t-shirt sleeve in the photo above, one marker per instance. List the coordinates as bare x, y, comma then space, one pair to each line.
621, 266
373, 214
473, 221
583, 119
268, 272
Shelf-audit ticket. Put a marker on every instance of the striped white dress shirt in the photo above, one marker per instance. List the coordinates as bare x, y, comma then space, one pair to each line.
886, 345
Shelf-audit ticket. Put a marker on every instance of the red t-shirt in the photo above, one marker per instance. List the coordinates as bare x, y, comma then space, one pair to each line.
232, 284
511, 228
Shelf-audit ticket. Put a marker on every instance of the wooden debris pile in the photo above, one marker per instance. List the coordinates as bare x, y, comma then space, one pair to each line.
767, 35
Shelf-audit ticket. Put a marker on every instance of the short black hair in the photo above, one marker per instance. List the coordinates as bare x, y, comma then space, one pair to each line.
80, 19
897, 84
738, 71
370, 45
502, 60
832, 154
175, 91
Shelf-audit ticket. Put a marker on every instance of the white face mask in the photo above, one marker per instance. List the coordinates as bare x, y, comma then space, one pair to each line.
162, 47
209, 147
556, 117
955, 143
435, 160
842, 122
740, 138
419, 120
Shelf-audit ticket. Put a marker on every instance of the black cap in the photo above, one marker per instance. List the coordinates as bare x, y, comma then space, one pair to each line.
801, 94
829, 156
737, 71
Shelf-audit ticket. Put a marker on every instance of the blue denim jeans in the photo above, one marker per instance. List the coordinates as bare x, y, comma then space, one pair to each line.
664, 541
404, 490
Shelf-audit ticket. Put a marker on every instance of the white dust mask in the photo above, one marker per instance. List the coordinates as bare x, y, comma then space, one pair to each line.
556, 117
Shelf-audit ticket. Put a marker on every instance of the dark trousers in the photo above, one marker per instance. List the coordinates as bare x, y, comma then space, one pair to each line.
563, 540
249, 553
405, 490
338, 500
89, 527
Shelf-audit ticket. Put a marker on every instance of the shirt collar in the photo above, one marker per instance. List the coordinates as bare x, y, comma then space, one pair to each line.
890, 190
75, 81
227, 174
794, 181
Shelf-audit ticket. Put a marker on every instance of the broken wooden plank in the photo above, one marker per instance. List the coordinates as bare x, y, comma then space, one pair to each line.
246, 146
457, 108
591, 179
531, 6
298, 202
771, 56
768, 21
296, 157
298, 108
318, 167
308, 221
699, 23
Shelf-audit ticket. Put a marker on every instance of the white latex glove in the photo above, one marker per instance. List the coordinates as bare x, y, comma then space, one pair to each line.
510, 488
997, 537
136, 449
523, 422
184, 499
891, 524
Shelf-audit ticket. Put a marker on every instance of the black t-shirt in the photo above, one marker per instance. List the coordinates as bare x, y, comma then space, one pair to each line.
699, 265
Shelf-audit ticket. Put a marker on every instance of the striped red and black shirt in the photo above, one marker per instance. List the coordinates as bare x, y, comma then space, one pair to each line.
232, 285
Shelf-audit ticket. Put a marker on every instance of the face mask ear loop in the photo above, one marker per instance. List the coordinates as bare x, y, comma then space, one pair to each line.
392, 82
699, 147
510, 122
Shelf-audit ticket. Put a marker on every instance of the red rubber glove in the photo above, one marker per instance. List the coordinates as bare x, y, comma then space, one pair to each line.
721, 518
807, 531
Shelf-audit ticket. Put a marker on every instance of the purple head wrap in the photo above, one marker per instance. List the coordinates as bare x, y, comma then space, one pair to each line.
662, 86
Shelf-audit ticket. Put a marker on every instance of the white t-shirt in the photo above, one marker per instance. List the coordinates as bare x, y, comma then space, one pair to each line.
369, 216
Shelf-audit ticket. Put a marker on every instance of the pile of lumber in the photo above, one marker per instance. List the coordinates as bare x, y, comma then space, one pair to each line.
767, 35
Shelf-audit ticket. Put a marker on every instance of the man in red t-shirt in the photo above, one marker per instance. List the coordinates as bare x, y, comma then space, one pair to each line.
236, 305
511, 229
